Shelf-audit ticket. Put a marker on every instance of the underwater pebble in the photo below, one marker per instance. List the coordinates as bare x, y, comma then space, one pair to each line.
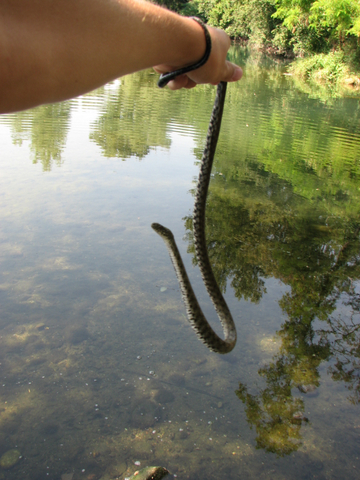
149, 473
311, 390
163, 289
10, 458
67, 476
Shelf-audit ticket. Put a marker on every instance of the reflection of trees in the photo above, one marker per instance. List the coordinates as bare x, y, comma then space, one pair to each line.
252, 236
343, 335
46, 128
285, 204
132, 119
276, 415
49, 130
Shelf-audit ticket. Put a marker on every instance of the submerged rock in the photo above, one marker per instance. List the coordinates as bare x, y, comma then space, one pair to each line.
298, 418
310, 390
78, 335
10, 458
150, 473
164, 396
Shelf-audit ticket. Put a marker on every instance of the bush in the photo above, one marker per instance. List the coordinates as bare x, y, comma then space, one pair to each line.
329, 67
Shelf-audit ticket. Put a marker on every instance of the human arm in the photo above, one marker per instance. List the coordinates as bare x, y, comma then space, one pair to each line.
55, 50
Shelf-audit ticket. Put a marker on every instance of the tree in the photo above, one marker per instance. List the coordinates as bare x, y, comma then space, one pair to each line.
341, 17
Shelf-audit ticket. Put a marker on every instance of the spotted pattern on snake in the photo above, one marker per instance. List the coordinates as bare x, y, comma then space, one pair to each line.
194, 313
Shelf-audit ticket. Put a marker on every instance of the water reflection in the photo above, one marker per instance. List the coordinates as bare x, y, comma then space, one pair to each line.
132, 119
258, 228
99, 367
270, 116
45, 128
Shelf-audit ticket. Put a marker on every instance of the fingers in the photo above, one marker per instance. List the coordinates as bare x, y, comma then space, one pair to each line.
234, 73
218, 65
182, 81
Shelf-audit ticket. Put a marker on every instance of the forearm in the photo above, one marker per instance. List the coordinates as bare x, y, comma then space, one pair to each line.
54, 50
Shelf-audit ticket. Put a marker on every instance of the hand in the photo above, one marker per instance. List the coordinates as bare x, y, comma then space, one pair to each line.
217, 69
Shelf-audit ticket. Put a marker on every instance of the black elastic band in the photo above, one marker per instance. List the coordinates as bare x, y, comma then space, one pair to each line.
166, 77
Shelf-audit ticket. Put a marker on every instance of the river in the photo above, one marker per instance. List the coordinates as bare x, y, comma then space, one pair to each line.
101, 374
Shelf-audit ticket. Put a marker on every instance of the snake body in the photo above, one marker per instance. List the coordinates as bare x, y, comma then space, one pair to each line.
195, 315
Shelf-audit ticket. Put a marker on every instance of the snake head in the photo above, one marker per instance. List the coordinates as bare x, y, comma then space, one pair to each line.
164, 232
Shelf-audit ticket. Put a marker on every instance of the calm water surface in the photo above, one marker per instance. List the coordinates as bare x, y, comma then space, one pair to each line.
100, 371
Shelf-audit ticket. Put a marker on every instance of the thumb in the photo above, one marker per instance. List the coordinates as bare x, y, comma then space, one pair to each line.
234, 72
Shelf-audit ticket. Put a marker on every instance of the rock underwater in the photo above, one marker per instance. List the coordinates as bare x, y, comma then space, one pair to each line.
150, 473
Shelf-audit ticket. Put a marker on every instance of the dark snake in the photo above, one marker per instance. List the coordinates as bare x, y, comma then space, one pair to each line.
194, 313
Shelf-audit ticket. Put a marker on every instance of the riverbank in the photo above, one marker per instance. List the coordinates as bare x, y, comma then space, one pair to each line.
323, 35
324, 75
332, 69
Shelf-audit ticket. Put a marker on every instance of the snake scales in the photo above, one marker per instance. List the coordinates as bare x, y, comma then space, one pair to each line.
195, 315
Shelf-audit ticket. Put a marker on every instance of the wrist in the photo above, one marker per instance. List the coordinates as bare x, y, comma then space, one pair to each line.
193, 46
180, 40
167, 77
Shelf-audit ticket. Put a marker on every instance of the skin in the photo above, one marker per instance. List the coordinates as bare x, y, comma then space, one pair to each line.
53, 50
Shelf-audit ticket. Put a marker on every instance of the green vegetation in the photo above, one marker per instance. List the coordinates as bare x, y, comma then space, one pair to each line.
331, 71
292, 28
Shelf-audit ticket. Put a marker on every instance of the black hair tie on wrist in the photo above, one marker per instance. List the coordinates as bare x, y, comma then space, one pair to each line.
166, 77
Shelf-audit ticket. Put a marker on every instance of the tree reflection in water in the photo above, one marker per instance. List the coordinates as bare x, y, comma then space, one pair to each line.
253, 236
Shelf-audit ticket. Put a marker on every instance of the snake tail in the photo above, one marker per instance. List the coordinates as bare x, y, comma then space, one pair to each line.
194, 312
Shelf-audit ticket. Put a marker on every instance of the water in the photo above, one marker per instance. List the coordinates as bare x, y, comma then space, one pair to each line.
99, 367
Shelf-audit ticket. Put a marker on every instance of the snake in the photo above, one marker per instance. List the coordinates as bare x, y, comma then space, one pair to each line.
194, 312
